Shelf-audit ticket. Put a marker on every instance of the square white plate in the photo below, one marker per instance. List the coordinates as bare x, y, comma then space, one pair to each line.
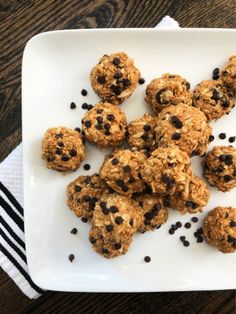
56, 67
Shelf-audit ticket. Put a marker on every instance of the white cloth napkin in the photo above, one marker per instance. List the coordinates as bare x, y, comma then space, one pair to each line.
12, 243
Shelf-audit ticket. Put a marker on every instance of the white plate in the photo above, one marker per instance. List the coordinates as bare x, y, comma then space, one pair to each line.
56, 66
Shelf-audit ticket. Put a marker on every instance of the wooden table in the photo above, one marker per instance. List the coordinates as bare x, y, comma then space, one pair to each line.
22, 19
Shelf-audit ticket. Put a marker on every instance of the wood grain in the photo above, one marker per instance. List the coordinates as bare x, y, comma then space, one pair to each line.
20, 20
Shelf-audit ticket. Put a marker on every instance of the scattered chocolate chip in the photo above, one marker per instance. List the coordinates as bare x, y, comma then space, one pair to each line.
231, 239
61, 144
182, 238
187, 85
107, 126
225, 104
232, 223
178, 224
90, 107
127, 169
110, 117
58, 151
222, 158
84, 105
72, 105
114, 161
116, 61
101, 79
73, 231
99, 119
147, 259
232, 139
146, 127
199, 239
141, 80
171, 231
168, 180
121, 184
186, 243
78, 188
158, 96
99, 111
119, 220
98, 126
216, 71
195, 153
211, 138
92, 240
105, 251
65, 158
228, 159
222, 136
117, 75
107, 132
194, 219
109, 228
148, 215
176, 136
215, 95
117, 246
84, 219
84, 92
126, 82
78, 130
87, 167
71, 257
187, 225
227, 178
59, 135
73, 152
87, 124
176, 122
114, 209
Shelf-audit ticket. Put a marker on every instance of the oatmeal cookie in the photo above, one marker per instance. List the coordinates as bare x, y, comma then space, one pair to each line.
219, 229
115, 77
154, 213
84, 192
213, 98
228, 75
184, 126
63, 149
121, 171
140, 133
105, 125
116, 218
190, 197
168, 90
167, 168
220, 168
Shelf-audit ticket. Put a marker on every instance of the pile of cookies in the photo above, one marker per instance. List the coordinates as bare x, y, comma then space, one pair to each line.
138, 181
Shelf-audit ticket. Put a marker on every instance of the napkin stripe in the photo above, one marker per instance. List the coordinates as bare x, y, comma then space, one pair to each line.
11, 198
12, 233
12, 214
21, 270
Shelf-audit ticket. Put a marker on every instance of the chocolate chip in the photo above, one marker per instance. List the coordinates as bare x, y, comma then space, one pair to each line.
72, 105
116, 61
109, 228
99, 111
58, 151
107, 126
186, 243
195, 153
126, 82
78, 188
127, 169
98, 126
215, 77
194, 219
148, 215
225, 104
222, 158
215, 95
101, 79
84, 105
232, 139
187, 225
228, 159
146, 127
119, 220
59, 135
110, 117
114, 209
171, 231
231, 239
147, 259
199, 239
168, 180
211, 138
105, 251
176, 122
222, 136
219, 169
141, 80
99, 119
107, 132
234, 173
90, 107
216, 71
131, 179
87, 124
73, 231
114, 161
178, 224
71, 257
78, 130
92, 240
158, 96
87, 167
84, 92
117, 246
232, 223
84, 219
176, 136
131, 222
166, 201
187, 85
182, 238
117, 75
144, 137
86, 198
65, 158
227, 178
73, 152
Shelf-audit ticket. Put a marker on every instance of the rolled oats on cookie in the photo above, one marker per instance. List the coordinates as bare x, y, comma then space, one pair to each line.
228, 75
